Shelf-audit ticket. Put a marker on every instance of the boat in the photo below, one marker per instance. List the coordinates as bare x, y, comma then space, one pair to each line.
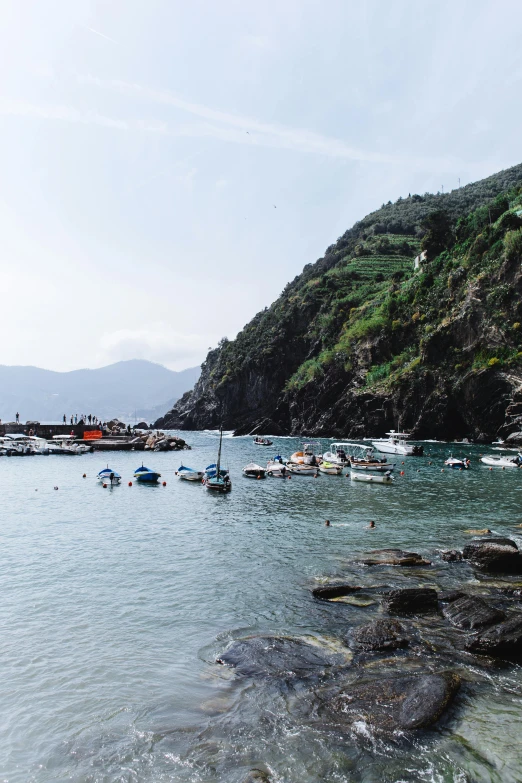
23, 445
300, 469
254, 471
262, 441
109, 476
216, 479
457, 464
276, 467
396, 443
146, 475
502, 462
330, 468
386, 478
307, 455
189, 474
338, 453
64, 444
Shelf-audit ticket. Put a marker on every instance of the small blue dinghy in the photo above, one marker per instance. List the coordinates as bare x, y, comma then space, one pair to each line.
146, 475
109, 476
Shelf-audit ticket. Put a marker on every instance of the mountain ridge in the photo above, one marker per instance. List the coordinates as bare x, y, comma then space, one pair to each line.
358, 340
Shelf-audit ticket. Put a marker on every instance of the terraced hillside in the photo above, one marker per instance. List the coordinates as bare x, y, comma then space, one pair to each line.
359, 339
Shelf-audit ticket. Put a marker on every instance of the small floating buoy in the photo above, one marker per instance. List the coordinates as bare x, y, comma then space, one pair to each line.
491, 468
402, 463
401, 473
104, 486
85, 475
442, 471
130, 483
164, 483
429, 463
36, 490
56, 487
289, 477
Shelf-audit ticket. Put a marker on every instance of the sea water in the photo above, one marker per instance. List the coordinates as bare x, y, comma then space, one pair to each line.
115, 603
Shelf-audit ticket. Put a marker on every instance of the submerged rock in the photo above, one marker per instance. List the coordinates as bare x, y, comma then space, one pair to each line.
471, 612
451, 555
281, 656
380, 635
395, 557
256, 776
502, 641
327, 592
495, 555
411, 600
391, 703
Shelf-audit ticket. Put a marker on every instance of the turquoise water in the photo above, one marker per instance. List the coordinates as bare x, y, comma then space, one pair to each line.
115, 603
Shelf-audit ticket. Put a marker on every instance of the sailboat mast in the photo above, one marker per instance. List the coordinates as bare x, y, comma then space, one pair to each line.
219, 452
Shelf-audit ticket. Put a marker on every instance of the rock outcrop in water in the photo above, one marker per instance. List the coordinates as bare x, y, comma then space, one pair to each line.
495, 555
360, 340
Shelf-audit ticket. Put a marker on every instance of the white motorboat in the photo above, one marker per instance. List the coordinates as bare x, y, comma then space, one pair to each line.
254, 471
276, 468
189, 474
386, 478
502, 462
457, 464
338, 453
23, 445
307, 455
109, 476
64, 444
396, 443
258, 441
330, 468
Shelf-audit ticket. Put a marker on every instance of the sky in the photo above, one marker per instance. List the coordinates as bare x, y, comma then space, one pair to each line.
167, 167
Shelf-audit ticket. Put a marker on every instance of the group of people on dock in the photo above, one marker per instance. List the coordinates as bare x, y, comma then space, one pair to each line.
86, 419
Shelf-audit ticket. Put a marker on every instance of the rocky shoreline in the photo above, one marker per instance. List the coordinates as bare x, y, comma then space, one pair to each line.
415, 663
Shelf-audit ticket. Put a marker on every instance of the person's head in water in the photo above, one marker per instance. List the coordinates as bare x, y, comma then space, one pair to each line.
327, 523
372, 524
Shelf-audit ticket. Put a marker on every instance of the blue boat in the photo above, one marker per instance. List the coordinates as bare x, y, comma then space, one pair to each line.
216, 478
146, 475
109, 476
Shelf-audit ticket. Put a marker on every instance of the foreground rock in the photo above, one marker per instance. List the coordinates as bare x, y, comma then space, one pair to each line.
380, 635
392, 703
494, 555
411, 600
395, 557
281, 655
501, 641
471, 612
451, 555
256, 776
337, 590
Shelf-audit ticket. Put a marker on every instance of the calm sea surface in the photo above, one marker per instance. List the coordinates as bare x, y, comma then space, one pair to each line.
115, 603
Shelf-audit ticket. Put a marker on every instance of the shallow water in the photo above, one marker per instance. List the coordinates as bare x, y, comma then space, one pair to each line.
115, 603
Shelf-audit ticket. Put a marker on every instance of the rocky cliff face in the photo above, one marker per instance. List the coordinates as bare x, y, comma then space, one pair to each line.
359, 342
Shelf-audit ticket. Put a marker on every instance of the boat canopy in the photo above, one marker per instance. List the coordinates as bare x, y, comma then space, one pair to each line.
349, 447
394, 434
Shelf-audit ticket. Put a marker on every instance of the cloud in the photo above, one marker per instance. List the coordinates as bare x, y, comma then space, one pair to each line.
157, 342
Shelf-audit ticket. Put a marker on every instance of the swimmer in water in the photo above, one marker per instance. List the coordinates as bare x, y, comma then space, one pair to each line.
327, 523
372, 524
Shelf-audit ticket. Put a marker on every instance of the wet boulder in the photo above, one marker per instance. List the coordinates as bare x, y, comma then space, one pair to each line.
394, 703
495, 555
380, 635
394, 557
334, 590
501, 641
448, 596
260, 656
451, 555
256, 776
470, 612
411, 600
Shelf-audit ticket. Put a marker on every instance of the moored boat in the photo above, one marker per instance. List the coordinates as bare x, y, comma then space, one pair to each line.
330, 468
502, 462
146, 475
217, 479
300, 469
457, 464
109, 476
254, 471
396, 443
307, 455
276, 468
189, 474
386, 478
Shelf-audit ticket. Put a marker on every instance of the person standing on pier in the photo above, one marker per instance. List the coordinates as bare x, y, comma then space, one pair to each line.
64, 419
76, 418
17, 417
72, 422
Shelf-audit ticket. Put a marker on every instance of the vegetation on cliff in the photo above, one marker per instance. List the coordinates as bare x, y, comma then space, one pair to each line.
360, 339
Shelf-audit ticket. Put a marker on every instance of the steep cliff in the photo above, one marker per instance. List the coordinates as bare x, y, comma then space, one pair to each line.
360, 341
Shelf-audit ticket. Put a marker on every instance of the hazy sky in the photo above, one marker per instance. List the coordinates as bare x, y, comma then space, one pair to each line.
168, 166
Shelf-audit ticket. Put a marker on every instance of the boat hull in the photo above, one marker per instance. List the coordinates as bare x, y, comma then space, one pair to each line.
374, 467
218, 485
499, 462
365, 478
299, 469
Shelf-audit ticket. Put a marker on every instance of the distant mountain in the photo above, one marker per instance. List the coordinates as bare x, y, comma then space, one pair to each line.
118, 390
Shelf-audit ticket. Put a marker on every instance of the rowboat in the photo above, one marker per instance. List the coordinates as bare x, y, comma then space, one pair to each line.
146, 475
254, 471
262, 442
386, 478
299, 469
217, 479
189, 474
330, 468
109, 476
